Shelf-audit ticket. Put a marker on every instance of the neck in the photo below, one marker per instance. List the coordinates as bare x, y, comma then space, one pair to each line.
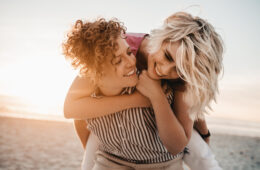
110, 91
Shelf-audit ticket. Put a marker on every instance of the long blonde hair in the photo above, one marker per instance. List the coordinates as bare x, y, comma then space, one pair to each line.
198, 58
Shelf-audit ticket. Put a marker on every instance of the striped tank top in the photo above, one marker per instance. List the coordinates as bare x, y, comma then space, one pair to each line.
131, 134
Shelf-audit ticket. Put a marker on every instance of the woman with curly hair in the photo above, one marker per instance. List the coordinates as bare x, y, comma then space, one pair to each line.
184, 58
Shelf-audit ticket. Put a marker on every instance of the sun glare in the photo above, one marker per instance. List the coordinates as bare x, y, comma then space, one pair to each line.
41, 84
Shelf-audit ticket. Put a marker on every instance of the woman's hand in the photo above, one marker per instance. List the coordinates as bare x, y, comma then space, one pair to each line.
149, 87
139, 100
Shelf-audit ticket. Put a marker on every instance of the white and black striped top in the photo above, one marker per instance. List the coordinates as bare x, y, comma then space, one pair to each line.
131, 135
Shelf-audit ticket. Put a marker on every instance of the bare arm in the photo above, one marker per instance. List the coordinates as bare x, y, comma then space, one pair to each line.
174, 129
201, 126
79, 105
82, 131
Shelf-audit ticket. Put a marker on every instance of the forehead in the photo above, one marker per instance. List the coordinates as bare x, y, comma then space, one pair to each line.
122, 46
172, 47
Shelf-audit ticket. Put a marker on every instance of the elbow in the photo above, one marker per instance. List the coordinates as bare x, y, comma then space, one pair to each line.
177, 148
67, 111
66, 114
175, 151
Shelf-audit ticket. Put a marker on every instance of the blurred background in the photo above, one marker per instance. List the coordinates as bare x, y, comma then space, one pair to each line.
34, 76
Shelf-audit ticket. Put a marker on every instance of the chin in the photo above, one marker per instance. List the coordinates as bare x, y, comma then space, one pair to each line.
151, 74
132, 82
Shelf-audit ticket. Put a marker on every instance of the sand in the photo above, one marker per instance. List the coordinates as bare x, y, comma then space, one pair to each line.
28, 144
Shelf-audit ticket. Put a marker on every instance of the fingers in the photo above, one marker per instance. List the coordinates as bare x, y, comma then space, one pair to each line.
144, 72
143, 75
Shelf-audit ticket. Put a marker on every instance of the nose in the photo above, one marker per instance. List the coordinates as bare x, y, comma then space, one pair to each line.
167, 68
131, 61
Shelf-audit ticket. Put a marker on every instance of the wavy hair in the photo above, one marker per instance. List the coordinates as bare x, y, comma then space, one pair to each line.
89, 44
198, 58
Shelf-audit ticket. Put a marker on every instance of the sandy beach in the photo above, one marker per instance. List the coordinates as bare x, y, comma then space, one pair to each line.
49, 145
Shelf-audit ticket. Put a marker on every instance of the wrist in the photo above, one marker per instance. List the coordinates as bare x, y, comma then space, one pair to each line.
202, 130
157, 96
140, 100
201, 126
205, 135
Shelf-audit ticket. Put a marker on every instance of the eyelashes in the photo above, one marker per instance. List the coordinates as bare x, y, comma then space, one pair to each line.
168, 57
118, 62
129, 51
118, 59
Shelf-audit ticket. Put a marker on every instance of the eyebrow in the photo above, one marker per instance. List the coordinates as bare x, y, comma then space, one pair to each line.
123, 52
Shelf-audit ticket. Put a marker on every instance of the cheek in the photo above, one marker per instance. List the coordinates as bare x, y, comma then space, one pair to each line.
111, 72
158, 57
154, 56
174, 75
119, 71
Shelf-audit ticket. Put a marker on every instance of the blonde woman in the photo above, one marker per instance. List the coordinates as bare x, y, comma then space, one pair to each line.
186, 53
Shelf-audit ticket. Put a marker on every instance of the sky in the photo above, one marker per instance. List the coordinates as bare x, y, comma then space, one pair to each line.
33, 68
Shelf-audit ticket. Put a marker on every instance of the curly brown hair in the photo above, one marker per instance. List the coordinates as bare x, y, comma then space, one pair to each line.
89, 44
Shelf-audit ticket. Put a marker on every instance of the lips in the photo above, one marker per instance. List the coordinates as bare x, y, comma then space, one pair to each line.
157, 71
130, 73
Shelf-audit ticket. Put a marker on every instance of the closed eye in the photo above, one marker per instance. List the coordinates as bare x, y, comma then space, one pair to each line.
129, 51
168, 57
117, 60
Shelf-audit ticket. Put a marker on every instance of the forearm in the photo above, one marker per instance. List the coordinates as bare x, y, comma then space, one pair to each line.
82, 131
171, 131
174, 129
201, 126
89, 107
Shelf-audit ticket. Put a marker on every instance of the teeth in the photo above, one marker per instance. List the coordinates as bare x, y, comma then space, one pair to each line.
157, 71
131, 72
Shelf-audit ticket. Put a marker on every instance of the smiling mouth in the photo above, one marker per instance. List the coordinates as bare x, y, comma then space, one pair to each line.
130, 73
157, 71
